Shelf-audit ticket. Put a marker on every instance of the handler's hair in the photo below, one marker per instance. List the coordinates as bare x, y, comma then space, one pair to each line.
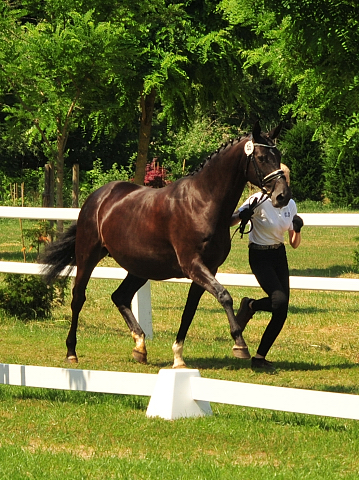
286, 172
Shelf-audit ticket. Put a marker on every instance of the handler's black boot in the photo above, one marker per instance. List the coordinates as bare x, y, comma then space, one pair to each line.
245, 313
262, 364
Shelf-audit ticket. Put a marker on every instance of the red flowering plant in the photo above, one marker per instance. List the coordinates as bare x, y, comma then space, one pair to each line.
155, 175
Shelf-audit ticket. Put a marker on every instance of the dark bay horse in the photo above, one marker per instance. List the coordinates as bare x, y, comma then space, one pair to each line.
181, 230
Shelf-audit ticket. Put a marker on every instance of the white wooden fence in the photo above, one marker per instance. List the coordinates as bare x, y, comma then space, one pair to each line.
183, 393
142, 302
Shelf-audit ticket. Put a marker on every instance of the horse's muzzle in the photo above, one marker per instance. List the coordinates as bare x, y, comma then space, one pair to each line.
281, 195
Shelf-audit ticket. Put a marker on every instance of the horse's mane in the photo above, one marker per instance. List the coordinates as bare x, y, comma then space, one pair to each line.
215, 154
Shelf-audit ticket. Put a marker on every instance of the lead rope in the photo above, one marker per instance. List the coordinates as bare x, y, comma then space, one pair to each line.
251, 207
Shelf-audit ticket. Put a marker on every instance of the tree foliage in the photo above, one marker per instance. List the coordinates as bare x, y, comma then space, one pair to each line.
28, 297
90, 61
72, 71
54, 73
304, 157
310, 50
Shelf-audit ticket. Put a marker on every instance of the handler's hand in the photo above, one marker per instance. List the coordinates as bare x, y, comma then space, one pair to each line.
297, 223
246, 214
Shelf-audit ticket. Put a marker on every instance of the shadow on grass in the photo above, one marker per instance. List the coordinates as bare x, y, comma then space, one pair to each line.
229, 363
332, 271
312, 367
225, 363
74, 397
293, 309
214, 311
18, 257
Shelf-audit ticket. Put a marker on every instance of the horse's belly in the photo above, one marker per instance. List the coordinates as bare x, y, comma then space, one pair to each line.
150, 268
154, 262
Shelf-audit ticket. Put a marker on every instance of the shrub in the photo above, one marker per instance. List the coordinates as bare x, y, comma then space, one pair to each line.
10, 187
39, 234
28, 297
342, 165
304, 158
356, 260
97, 177
155, 175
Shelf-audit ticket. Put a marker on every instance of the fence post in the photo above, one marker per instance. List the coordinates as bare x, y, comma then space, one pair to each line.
46, 192
75, 185
142, 309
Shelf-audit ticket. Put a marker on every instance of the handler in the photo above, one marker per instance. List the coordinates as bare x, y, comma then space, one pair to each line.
268, 262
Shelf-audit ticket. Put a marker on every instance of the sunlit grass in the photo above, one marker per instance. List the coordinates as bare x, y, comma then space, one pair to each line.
52, 434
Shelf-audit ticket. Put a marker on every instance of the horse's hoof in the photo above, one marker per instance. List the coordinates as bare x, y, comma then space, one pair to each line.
72, 359
241, 352
181, 365
140, 357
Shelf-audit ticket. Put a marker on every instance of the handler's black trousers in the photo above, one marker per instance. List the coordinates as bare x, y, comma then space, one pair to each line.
270, 268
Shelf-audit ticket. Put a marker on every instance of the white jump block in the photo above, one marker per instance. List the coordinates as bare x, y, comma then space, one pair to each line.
172, 396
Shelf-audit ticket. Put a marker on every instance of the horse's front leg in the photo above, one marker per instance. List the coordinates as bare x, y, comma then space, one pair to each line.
239, 349
194, 295
201, 275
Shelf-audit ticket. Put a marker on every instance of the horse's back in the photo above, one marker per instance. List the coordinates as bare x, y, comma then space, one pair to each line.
116, 188
103, 198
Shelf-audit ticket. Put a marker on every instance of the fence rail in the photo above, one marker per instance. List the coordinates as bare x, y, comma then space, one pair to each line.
310, 219
228, 279
245, 280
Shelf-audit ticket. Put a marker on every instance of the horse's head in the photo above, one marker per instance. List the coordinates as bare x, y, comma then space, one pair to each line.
263, 165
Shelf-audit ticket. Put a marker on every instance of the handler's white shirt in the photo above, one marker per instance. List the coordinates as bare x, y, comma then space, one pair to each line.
270, 223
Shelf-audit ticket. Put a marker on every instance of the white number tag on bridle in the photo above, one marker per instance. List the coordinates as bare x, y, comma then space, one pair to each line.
249, 147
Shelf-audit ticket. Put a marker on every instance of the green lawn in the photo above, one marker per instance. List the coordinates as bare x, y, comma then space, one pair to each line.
50, 434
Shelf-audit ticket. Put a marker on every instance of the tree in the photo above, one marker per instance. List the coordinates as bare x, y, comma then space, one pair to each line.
54, 73
158, 57
189, 59
310, 49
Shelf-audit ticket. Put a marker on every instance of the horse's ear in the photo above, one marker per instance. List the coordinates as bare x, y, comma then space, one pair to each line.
256, 132
275, 132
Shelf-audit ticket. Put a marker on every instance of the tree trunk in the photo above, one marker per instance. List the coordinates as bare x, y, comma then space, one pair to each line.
147, 103
75, 185
48, 194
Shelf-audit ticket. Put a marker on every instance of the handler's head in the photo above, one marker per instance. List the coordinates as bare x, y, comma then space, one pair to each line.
286, 172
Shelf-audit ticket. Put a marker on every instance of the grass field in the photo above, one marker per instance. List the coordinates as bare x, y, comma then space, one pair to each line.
50, 434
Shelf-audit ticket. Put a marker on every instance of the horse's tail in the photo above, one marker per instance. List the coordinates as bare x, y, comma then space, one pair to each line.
59, 255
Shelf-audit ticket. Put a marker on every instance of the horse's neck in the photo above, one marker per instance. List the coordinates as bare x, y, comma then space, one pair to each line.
222, 179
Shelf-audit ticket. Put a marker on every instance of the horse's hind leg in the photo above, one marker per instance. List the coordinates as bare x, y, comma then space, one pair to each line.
122, 298
87, 257
194, 296
78, 299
